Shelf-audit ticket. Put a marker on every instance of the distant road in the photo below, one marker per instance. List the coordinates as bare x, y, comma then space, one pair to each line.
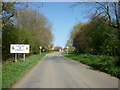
56, 71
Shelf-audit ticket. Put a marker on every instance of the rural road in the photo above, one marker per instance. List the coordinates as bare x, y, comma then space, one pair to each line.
56, 71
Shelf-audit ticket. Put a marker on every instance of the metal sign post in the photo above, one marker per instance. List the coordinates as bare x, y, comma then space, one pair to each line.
15, 57
67, 50
24, 57
40, 49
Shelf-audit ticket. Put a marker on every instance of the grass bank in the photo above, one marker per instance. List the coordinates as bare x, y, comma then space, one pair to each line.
0, 75
12, 71
99, 62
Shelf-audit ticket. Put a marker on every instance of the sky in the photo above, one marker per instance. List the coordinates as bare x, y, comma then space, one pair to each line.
63, 18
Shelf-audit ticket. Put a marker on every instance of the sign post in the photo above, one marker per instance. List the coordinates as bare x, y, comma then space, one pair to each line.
19, 48
24, 57
15, 57
67, 50
40, 49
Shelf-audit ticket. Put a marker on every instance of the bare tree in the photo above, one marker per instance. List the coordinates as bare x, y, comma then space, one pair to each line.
37, 24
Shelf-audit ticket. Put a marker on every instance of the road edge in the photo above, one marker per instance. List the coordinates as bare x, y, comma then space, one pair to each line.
26, 73
87, 66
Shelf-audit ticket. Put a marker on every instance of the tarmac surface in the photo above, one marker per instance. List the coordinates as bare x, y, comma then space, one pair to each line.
56, 71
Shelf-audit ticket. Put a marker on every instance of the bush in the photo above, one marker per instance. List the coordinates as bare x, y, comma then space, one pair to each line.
10, 35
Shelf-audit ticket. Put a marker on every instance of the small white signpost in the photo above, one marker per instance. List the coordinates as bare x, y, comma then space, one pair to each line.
67, 50
40, 49
19, 48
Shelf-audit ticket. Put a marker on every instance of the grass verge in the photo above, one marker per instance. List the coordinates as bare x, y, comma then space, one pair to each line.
99, 62
0, 75
12, 71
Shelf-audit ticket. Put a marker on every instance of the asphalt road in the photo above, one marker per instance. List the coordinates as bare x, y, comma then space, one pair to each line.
56, 71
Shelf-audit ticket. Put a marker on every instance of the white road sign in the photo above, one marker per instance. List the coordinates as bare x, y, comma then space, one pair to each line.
19, 48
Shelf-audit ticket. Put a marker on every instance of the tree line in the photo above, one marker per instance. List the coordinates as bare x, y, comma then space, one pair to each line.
101, 34
22, 25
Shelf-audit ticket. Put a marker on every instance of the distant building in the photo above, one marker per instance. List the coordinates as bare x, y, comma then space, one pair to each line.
57, 48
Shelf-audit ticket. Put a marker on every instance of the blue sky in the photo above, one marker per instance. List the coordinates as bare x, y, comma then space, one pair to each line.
63, 18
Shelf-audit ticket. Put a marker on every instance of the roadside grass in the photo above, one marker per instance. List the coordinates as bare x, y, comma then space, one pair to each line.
0, 75
13, 71
99, 62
